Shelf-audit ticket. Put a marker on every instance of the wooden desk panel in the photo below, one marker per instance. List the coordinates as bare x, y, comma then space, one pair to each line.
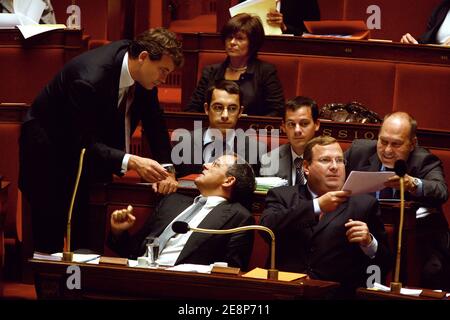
120, 282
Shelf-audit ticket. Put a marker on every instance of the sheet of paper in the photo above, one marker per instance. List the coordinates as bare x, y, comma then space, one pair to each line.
259, 273
82, 257
259, 8
8, 20
359, 182
32, 30
31, 9
189, 267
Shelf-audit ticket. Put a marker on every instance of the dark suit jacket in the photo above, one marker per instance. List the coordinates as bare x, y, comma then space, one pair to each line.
284, 157
362, 156
78, 108
320, 248
260, 86
296, 11
435, 22
201, 248
194, 165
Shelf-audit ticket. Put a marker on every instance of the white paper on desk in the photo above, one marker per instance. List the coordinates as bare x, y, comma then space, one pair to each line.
189, 267
32, 30
259, 8
359, 182
82, 257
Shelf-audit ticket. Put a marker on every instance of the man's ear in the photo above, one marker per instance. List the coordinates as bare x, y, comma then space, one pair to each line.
317, 125
229, 182
142, 56
305, 167
283, 127
413, 144
206, 107
241, 110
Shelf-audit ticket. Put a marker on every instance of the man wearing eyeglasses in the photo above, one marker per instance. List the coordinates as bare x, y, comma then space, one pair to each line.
323, 231
424, 184
300, 123
203, 145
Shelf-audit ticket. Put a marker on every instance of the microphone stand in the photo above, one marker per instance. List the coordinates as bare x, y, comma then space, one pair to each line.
396, 286
272, 273
67, 254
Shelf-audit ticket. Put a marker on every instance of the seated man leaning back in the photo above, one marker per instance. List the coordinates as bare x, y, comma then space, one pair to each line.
223, 185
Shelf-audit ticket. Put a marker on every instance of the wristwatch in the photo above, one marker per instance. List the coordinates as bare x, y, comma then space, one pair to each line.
415, 183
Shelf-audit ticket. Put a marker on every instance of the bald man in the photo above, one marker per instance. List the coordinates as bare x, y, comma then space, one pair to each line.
424, 183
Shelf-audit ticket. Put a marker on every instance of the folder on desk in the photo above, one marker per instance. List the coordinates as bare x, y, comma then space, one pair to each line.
348, 29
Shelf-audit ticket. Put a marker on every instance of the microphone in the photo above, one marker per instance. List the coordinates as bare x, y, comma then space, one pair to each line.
67, 254
272, 273
400, 170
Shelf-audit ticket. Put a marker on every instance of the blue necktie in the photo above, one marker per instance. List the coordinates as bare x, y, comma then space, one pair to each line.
187, 216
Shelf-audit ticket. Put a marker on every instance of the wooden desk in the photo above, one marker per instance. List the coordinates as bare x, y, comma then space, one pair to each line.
41, 56
367, 294
120, 282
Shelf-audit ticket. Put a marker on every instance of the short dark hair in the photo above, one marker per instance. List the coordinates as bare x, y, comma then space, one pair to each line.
299, 102
229, 86
157, 42
321, 141
411, 120
248, 24
245, 183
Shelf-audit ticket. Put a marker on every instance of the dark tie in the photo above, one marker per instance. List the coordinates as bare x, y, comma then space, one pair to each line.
124, 109
299, 177
187, 216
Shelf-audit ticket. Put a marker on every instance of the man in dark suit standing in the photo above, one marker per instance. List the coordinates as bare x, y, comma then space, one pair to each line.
424, 183
223, 185
95, 102
300, 124
203, 145
323, 231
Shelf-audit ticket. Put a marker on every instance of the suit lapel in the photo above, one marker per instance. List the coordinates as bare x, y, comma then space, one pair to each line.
327, 218
374, 163
216, 219
285, 170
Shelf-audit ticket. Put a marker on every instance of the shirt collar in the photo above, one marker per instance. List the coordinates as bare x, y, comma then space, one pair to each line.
209, 136
313, 195
295, 155
213, 201
125, 77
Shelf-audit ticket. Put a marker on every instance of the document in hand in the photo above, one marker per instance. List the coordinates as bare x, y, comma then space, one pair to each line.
259, 8
359, 182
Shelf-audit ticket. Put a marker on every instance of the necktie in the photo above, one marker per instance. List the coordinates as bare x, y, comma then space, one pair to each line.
299, 177
387, 193
187, 216
124, 108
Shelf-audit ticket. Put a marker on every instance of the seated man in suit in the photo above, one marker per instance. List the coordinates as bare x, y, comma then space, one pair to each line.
323, 231
223, 185
203, 145
300, 123
424, 183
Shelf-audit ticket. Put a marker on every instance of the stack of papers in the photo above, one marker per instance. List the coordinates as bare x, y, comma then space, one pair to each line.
77, 257
26, 16
265, 183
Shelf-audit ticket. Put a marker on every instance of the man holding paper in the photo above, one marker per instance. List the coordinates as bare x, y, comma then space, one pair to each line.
424, 183
322, 230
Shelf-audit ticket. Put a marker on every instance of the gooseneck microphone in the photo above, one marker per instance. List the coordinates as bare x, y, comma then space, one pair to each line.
400, 170
67, 254
183, 227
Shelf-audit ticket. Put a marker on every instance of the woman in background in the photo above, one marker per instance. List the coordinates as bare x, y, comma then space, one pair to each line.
243, 36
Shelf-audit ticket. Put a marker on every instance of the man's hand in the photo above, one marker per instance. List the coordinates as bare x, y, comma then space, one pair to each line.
407, 38
275, 18
122, 220
358, 232
332, 199
166, 186
394, 182
147, 169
